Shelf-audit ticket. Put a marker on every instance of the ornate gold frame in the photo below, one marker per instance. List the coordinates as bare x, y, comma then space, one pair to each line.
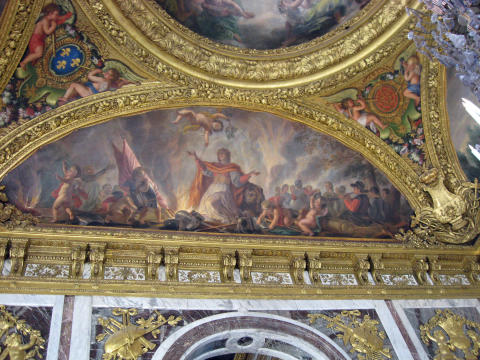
183, 69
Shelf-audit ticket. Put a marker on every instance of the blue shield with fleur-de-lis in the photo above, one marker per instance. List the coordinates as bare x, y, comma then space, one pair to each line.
67, 60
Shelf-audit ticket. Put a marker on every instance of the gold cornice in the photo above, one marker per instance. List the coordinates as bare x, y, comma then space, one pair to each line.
17, 22
228, 291
124, 238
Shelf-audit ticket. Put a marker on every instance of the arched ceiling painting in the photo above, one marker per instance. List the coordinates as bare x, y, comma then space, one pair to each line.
236, 132
230, 166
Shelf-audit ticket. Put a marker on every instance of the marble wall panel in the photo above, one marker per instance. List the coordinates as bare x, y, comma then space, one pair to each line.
418, 317
338, 279
411, 314
271, 278
78, 329
97, 345
47, 270
40, 312
335, 333
38, 317
199, 276
123, 273
66, 330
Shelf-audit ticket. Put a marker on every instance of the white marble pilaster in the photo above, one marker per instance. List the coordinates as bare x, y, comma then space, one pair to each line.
55, 328
393, 332
81, 328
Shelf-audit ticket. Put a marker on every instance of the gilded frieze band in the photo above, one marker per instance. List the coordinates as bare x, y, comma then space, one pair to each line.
17, 22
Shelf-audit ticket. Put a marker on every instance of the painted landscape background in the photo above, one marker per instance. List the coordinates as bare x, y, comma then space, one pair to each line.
279, 171
266, 24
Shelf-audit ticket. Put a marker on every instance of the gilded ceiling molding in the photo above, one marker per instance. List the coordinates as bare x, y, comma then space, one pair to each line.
437, 129
455, 215
152, 34
24, 140
16, 25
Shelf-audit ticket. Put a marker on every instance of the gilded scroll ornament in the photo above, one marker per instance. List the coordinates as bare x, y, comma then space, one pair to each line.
11, 216
13, 334
361, 334
125, 340
453, 334
18, 20
194, 51
453, 219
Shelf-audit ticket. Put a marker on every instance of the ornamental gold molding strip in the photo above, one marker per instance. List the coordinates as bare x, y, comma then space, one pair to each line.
149, 268
162, 50
16, 25
181, 49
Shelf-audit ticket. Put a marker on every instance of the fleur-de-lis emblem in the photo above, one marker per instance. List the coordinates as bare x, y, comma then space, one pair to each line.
61, 64
65, 52
75, 62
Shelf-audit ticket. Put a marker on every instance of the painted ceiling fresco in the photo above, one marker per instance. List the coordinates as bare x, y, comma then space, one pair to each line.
266, 24
210, 170
60, 65
464, 113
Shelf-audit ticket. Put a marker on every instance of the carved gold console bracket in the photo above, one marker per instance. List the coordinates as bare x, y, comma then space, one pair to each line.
453, 217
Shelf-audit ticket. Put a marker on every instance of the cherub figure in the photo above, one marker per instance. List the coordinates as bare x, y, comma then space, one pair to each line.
110, 80
275, 214
412, 77
318, 207
15, 349
44, 27
356, 111
67, 194
207, 121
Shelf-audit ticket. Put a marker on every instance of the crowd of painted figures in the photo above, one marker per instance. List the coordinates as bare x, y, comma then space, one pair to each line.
222, 198
314, 211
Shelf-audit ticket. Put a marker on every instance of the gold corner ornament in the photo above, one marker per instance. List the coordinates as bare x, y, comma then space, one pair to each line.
125, 340
11, 216
454, 217
362, 335
452, 333
13, 332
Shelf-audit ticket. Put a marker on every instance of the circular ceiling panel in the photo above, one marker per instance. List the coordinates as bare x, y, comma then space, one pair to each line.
268, 24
